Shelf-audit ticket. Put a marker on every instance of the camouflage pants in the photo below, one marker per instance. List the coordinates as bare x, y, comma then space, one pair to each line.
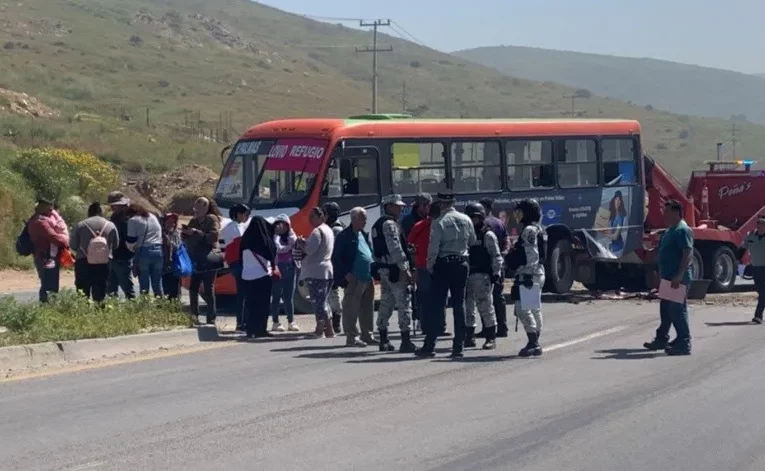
334, 301
531, 318
479, 295
394, 296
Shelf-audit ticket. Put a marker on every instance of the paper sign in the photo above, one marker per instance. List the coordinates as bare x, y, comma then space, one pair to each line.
741, 269
296, 155
531, 298
668, 293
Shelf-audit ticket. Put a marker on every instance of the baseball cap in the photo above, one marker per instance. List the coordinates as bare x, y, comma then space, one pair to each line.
117, 198
393, 199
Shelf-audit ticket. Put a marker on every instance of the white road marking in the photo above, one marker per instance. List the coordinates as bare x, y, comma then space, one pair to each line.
91, 465
594, 335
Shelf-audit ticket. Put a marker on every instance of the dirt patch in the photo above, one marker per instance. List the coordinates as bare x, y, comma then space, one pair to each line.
177, 189
24, 105
16, 281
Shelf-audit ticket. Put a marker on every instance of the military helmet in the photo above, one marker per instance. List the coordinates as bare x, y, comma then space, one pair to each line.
475, 209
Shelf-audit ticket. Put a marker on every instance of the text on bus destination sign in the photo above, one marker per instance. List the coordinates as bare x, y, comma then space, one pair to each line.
280, 151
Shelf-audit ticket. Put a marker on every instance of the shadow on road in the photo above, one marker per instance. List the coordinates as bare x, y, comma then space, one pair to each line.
626, 354
308, 348
729, 324
476, 359
336, 355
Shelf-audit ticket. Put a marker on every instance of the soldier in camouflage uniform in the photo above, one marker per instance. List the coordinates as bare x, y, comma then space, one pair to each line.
392, 264
332, 210
485, 261
527, 260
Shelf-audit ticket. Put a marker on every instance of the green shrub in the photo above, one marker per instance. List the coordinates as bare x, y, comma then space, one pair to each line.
16, 208
71, 316
60, 173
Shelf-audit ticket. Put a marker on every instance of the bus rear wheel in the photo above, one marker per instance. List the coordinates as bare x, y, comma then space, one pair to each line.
559, 272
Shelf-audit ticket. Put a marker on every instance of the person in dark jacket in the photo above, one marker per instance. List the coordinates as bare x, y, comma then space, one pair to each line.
121, 267
352, 265
420, 211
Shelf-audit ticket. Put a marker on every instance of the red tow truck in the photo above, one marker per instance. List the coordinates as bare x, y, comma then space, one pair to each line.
721, 204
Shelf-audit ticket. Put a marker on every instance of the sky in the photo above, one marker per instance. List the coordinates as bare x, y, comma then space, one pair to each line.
715, 33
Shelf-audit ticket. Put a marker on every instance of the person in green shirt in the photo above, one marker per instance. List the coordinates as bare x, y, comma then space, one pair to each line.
675, 250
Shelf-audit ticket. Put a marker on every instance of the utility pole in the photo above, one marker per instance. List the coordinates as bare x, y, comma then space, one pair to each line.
374, 50
573, 103
733, 139
403, 97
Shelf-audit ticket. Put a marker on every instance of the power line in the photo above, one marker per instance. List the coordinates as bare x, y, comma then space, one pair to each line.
410, 35
331, 18
374, 50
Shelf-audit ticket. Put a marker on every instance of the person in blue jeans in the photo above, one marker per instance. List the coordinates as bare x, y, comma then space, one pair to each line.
675, 251
144, 238
283, 289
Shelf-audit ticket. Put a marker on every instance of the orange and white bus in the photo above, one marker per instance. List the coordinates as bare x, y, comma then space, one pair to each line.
586, 174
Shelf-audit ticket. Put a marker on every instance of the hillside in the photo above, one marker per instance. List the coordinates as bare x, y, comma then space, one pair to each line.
680, 88
237, 61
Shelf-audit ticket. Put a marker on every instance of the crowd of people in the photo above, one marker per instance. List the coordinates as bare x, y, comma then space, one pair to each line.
422, 260
109, 254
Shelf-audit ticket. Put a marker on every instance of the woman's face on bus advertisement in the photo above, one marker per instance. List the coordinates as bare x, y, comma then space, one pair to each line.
618, 202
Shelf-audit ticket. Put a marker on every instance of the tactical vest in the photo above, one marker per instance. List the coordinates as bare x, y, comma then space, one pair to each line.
478, 255
517, 257
379, 247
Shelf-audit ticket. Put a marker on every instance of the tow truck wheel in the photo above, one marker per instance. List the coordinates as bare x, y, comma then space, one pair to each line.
559, 272
697, 266
721, 268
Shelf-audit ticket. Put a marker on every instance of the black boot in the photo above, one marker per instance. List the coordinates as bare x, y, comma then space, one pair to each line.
385, 345
656, 344
531, 347
470, 337
336, 318
491, 338
406, 343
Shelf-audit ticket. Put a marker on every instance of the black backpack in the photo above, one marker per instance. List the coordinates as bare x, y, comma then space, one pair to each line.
24, 245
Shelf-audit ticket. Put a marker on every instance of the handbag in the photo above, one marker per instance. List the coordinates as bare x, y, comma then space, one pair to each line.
65, 258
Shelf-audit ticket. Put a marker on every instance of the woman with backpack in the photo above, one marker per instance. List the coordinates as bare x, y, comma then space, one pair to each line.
93, 240
144, 239
171, 240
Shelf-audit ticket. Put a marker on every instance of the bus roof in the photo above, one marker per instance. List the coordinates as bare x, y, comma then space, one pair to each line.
439, 128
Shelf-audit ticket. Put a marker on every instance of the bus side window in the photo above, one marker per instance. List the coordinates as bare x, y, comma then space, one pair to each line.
418, 167
619, 161
474, 166
578, 165
352, 175
529, 164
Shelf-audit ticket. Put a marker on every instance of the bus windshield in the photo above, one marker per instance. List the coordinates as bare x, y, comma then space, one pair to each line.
289, 171
240, 172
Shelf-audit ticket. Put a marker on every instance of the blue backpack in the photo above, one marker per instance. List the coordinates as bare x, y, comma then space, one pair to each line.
182, 266
24, 245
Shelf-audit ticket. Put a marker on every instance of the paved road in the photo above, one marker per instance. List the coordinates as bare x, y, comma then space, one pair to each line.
595, 401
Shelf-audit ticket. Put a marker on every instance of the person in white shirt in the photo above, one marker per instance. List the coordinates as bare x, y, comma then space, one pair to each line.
316, 269
258, 256
230, 238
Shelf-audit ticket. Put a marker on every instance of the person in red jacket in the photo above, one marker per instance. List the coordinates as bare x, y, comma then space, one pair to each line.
42, 232
419, 238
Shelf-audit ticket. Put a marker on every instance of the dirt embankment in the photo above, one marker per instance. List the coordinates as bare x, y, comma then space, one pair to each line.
173, 191
24, 105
